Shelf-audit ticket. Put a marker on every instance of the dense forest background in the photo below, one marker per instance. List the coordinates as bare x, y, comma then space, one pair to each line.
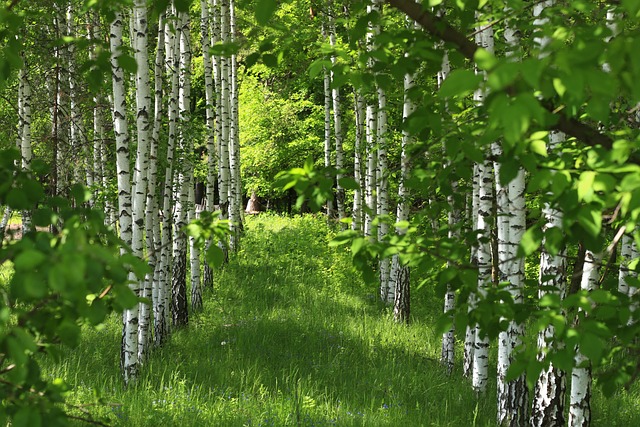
478, 157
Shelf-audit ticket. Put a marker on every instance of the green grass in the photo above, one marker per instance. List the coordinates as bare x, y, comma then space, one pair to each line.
291, 336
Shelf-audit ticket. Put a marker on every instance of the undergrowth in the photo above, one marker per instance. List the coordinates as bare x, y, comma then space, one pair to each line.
290, 336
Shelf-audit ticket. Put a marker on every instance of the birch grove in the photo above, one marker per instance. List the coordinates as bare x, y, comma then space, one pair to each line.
479, 152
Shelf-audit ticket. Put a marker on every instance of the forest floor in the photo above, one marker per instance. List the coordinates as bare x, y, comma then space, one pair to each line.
291, 336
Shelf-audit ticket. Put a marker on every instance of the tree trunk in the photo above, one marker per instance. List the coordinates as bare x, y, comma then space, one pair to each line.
549, 392
24, 107
359, 143
511, 224
485, 202
580, 396
337, 122
152, 231
179, 284
400, 273
447, 354
207, 279
129, 354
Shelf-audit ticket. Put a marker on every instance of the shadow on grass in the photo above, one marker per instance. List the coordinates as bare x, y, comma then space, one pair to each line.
290, 336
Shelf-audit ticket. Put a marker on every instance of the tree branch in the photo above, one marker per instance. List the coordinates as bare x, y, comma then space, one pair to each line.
441, 29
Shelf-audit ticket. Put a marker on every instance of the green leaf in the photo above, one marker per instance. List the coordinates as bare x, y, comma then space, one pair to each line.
125, 297
460, 82
33, 190
80, 193
554, 240
591, 346
531, 241
69, 333
34, 286
357, 245
590, 220
348, 183
43, 217
270, 60
485, 59
27, 417
538, 146
318, 66
264, 9
550, 300
28, 260
343, 238
215, 255
128, 63
585, 185
559, 86
17, 199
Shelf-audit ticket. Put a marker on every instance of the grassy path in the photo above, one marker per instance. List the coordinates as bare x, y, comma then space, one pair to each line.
290, 336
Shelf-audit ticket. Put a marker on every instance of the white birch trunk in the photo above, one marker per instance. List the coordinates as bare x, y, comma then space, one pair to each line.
580, 396
511, 225
470, 332
235, 203
152, 230
25, 135
61, 112
625, 258
447, 354
77, 132
485, 201
224, 114
359, 144
129, 353
337, 123
387, 287
207, 279
400, 273
549, 392
371, 200
161, 319
327, 123
480, 372
179, 284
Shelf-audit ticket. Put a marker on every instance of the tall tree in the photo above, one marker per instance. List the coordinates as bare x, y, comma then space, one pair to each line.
141, 175
210, 101
549, 392
179, 284
511, 225
129, 352
480, 376
580, 396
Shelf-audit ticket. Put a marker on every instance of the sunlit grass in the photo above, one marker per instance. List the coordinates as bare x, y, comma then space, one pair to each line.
291, 336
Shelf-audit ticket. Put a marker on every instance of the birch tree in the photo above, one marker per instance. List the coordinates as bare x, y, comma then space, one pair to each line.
399, 270
511, 225
129, 352
179, 284
161, 318
337, 118
358, 161
484, 38
26, 151
235, 183
447, 354
549, 392
205, 37
580, 396
153, 220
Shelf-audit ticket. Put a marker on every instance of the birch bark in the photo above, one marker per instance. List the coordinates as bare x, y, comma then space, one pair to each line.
129, 352
580, 395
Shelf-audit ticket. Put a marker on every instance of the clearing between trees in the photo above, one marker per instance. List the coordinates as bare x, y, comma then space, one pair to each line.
292, 336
